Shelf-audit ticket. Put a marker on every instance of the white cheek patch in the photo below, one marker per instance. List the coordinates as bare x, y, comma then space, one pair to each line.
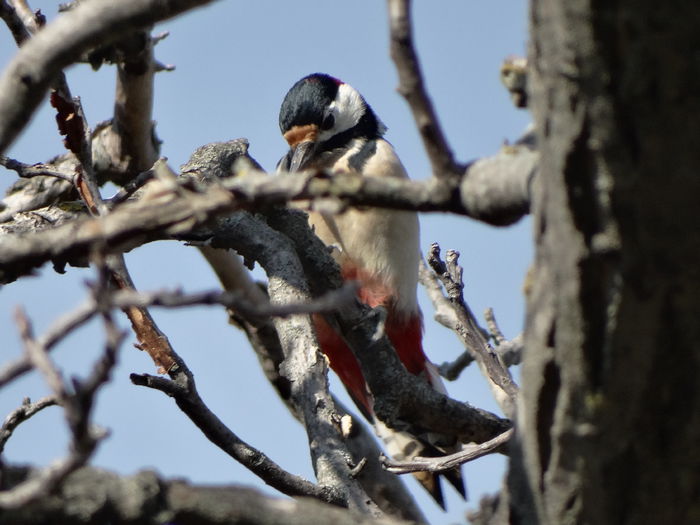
347, 108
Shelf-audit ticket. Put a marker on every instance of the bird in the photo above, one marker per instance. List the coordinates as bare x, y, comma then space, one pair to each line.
329, 126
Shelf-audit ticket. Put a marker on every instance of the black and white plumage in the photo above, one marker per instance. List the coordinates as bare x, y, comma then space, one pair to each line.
329, 126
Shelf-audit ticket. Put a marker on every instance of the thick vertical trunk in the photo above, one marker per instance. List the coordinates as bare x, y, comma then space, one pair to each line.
609, 423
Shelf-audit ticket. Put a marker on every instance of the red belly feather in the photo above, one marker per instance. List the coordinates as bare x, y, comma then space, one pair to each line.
404, 329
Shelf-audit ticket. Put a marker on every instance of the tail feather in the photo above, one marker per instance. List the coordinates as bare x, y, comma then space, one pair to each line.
431, 482
454, 476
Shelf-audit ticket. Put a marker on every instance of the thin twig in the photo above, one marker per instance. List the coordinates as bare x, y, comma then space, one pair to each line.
77, 401
21, 414
445, 463
189, 401
132, 186
412, 87
493, 327
38, 356
58, 330
125, 299
476, 341
331, 301
27, 171
61, 43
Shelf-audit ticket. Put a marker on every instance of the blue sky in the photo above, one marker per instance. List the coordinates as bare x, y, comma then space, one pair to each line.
234, 63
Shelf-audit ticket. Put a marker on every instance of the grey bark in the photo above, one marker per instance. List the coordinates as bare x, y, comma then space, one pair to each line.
610, 421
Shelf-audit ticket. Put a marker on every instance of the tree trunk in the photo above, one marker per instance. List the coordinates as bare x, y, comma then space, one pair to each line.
609, 423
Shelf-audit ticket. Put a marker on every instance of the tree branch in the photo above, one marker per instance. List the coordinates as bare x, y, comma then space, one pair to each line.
126, 145
445, 463
385, 488
77, 401
21, 414
98, 496
304, 365
14, 22
411, 86
28, 76
183, 390
133, 224
502, 385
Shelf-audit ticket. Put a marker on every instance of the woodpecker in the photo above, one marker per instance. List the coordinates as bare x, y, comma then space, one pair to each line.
329, 126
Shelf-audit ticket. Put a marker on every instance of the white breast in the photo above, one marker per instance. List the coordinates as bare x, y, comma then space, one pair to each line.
384, 243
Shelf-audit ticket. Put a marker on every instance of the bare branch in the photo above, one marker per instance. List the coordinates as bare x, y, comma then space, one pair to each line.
185, 394
28, 171
38, 356
58, 330
132, 187
21, 414
123, 299
444, 463
304, 365
14, 22
502, 385
509, 351
126, 227
134, 224
385, 489
496, 189
28, 76
331, 301
28, 18
411, 86
104, 497
493, 327
126, 145
77, 401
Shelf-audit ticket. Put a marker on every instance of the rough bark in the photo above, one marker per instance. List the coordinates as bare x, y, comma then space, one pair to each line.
610, 420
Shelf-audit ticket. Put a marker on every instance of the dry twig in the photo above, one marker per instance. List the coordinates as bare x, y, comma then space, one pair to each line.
28, 76
183, 390
27, 171
77, 401
465, 325
411, 86
441, 464
21, 414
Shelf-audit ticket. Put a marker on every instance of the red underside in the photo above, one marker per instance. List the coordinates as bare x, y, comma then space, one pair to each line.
405, 331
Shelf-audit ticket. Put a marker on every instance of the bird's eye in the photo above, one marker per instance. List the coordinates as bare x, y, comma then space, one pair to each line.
328, 122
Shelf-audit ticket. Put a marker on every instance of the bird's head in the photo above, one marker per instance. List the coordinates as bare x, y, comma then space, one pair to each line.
321, 114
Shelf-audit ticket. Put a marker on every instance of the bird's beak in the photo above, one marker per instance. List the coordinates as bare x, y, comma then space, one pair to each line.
302, 140
301, 154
